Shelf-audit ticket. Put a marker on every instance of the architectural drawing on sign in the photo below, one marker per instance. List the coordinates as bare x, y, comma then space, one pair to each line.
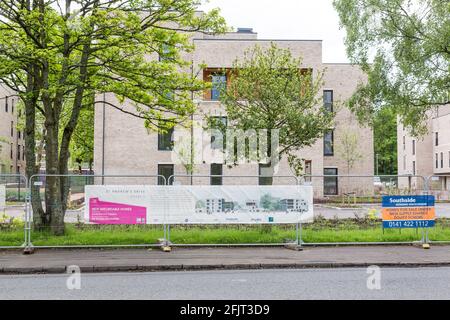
265, 203
252, 206
213, 205
294, 205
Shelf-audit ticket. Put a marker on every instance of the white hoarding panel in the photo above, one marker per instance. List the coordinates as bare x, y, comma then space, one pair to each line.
2, 197
198, 204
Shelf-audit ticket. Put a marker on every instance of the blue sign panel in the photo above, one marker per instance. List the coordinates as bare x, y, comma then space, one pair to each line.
408, 201
408, 224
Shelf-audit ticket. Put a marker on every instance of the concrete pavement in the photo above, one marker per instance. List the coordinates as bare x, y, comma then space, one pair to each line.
116, 260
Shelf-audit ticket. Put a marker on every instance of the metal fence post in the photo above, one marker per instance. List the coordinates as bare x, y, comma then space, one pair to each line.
299, 223
167, 240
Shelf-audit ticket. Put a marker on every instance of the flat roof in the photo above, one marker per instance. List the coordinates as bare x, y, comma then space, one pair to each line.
224, 39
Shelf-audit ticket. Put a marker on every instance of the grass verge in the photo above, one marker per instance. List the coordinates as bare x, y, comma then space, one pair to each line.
347, 230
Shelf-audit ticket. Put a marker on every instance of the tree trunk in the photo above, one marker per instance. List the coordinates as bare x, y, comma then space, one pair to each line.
53, 205
32, 168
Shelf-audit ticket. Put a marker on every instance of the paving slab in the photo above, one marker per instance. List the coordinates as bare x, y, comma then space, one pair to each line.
110, 260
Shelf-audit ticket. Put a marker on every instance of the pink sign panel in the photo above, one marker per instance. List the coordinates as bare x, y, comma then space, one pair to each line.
102, 212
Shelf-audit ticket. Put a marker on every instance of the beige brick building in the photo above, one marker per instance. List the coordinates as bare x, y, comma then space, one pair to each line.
428, 155
12, 158
123, 145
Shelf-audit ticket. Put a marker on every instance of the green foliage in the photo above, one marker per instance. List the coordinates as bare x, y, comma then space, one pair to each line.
270, 203
82, 144
348, 149
270, 90
410, 43
322, 230
58, 55
10, 223
385, 140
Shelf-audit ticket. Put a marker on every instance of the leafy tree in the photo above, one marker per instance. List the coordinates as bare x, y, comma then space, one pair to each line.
385, 140
57, 54
410, 43
82, 144
270, 90
348, 149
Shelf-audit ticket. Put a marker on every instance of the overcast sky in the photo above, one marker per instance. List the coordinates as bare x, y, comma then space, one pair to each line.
288, 19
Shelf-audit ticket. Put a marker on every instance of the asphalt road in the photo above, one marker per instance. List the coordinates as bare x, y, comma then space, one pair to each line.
396, 283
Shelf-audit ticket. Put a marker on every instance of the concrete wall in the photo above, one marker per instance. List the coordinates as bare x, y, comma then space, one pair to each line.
343, 79
10, 164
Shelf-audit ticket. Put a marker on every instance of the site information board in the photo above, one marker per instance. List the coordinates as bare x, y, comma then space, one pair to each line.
408, 211
198, 204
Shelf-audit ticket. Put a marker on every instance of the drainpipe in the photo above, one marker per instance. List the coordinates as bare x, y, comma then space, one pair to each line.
103, 138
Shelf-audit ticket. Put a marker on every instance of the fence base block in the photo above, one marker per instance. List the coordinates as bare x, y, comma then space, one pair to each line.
165, 245
426, 246
28, 250
293, 246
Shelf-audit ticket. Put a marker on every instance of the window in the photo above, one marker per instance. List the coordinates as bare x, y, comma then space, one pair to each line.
437, 160
442, 159
218, 142
328, 143
414, 147
219, 81
330, 184
436, 138
11, 155
12, 128
12, 106
216, 170
308, 170
165, 140
165, 170
404, 162
23, 153
265, 174
328, 100
18, 152
165, 52
414, 168
6, 104
404, 143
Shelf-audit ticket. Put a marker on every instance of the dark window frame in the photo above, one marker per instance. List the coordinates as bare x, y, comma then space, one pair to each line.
264, 180
325, 151
161, 173
330, 103
215, 92
335, 180
216, 181
162, 140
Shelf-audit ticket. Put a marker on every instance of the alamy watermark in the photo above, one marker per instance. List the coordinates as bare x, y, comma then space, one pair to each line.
231, 147
374, 278
73, 282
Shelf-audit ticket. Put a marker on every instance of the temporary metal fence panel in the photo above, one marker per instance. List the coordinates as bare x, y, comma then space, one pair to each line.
348, 208
41, 236
237, 181
341, 203
439, 187
13, 211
